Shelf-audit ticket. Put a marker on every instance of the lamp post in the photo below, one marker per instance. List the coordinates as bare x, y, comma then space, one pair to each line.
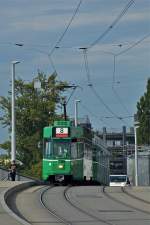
136, 154
13, 117
76, 113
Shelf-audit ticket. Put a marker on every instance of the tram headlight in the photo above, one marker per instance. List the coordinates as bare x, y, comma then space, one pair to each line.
60, 166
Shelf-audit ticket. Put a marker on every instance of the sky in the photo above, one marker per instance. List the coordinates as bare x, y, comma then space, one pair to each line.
109, 74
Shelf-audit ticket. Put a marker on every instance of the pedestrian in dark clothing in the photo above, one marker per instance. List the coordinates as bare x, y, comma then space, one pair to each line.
12, 170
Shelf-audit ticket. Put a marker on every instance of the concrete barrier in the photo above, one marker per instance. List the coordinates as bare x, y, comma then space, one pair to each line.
7, 194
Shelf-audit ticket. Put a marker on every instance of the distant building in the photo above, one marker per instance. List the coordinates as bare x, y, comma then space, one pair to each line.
120, 145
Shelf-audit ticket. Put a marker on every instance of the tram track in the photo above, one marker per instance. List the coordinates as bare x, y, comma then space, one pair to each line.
135, 197
86, 212
123, 203
13, 206
52, 199
42, 190
52, 212
61, 219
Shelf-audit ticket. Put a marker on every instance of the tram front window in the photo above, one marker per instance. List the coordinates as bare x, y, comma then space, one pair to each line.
61, 150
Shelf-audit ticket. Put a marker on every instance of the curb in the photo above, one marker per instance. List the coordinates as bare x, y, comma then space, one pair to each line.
5, 195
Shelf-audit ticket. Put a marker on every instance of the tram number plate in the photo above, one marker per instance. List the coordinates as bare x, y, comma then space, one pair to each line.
59, 178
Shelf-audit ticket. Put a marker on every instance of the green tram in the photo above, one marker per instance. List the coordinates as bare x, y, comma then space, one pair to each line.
73, 154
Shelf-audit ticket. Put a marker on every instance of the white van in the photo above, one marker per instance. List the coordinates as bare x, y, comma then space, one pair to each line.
118, 180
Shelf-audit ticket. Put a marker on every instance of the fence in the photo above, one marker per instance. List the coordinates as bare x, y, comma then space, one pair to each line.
143, 169
4, 176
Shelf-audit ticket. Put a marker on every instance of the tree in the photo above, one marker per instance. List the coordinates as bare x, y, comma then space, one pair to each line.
143, 115
34, 110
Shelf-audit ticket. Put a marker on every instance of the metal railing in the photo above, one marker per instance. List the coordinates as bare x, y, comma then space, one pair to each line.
5, 176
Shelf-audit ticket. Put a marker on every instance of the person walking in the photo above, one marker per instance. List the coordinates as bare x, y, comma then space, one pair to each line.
12, 170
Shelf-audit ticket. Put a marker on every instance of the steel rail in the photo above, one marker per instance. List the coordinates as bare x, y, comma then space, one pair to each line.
135, 197
84, 210
52, 212
123, 203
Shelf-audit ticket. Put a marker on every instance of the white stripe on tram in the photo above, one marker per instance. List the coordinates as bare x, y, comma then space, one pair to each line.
56, 160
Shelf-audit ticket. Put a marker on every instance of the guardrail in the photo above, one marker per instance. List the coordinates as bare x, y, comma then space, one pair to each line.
3, 174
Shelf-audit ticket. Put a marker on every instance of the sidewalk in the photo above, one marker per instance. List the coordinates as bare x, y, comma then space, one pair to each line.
5, 218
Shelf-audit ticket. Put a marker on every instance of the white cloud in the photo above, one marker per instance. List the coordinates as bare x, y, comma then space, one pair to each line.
57, 21
138, 17
39, 23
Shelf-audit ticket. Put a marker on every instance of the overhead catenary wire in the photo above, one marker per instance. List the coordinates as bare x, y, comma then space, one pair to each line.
120, 100
106, 106
40, 51
94, 43
52, 64
112, 25
113, 89
119, 44
73, 90
86, 65
126, 50
115, 55
94, 90
114, 69
49, 58
133, 45
66, 29
85, 51
94, 115
74, 47
111, 117
89, 82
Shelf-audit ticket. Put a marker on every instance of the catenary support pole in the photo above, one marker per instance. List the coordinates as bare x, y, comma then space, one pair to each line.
13, 116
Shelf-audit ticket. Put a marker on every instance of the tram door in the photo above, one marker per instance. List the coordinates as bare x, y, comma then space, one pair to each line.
87, 162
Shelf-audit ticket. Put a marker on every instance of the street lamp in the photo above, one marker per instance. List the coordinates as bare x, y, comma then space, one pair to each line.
13, 118
136, 154
76, 113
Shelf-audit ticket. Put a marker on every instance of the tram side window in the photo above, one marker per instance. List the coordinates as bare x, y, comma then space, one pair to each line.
80, 150
47, 149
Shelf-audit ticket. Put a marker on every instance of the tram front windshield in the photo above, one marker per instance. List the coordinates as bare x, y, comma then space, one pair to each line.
61, 150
